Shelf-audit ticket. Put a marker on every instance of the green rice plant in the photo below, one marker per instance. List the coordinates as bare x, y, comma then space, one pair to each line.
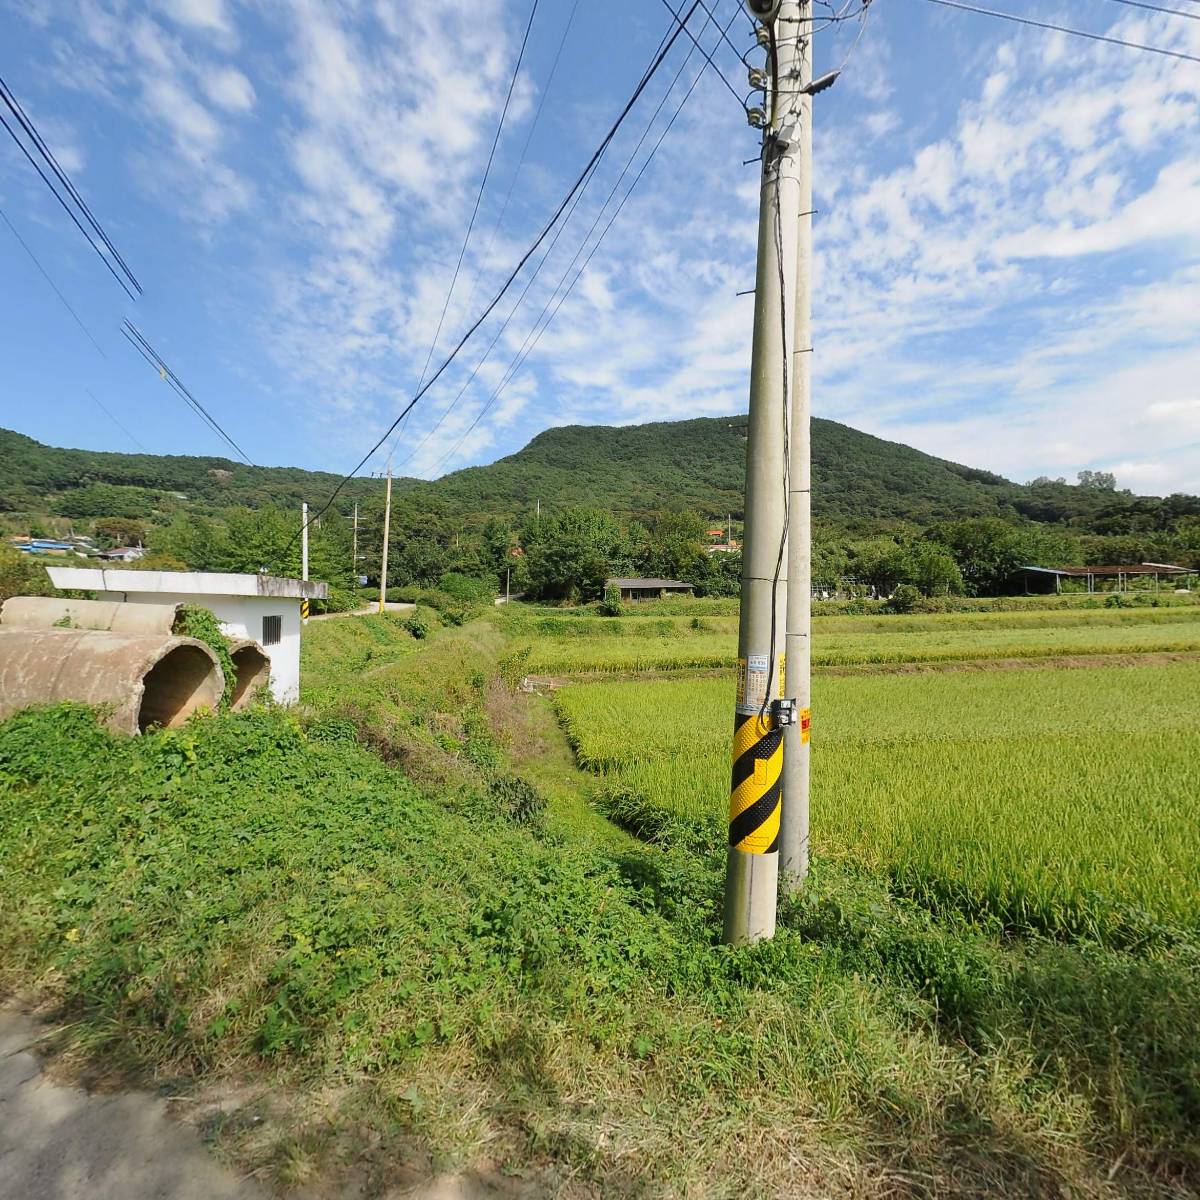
1047, 799
927, 640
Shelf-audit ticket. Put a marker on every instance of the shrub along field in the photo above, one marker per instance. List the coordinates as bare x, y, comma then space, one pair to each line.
362, 926
587, 645
1045, 799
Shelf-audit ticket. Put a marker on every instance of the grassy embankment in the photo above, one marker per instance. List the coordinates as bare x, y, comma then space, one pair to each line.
420, 957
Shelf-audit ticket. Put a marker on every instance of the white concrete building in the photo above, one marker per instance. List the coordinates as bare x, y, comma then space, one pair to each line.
264, 608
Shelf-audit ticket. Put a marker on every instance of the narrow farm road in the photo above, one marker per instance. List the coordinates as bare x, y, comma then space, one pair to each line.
63, 1143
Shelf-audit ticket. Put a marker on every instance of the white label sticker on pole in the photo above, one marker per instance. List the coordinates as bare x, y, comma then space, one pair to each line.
757, 669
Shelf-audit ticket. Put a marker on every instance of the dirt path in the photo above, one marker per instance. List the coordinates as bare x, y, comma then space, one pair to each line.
392, 606
60, 1142
63, 1143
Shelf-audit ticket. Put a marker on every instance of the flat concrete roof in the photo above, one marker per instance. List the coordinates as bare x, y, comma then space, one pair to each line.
193, 583
646, 583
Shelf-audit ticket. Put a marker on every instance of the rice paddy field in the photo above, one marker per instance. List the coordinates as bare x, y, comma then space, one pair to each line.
1054, 800
592, 645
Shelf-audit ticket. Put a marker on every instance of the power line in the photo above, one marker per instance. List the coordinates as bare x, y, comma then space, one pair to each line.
525, 257
1095, 37
512, 83
136, 337
724, 31
54, 191
1172, 12
46, 276
504, 324
512, 183
542, 262
112, 417
708, 58
535, 332
14, 105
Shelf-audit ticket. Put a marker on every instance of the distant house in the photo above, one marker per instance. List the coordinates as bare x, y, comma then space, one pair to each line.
42, 546
264, 608
122, 554
649, 589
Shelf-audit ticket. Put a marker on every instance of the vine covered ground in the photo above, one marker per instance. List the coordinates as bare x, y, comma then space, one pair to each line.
377, 921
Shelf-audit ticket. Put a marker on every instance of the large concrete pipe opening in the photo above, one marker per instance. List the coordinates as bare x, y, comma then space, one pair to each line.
137, 680
176, 686
252, 672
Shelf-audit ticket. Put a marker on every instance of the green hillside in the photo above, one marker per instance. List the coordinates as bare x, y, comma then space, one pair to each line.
861, 482
700, 464
46, 480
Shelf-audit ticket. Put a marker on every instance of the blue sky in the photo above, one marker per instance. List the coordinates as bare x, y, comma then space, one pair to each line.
1008, 241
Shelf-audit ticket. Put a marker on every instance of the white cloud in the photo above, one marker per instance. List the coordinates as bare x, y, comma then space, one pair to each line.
208, 15
229, 89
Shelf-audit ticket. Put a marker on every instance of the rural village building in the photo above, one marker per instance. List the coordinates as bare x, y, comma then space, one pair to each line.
649, 589
264, 608
1051, 578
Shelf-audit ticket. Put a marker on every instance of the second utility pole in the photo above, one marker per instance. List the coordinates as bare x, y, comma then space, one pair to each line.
752, 870
793, 832
387, 529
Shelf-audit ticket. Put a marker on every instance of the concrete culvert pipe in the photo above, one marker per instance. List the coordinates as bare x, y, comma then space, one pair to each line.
49, 612
252, 671
140, 680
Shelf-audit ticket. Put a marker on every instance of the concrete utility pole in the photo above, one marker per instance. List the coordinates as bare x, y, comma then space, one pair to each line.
752, 870
793, 832
354, 552
387, 529
304, 540
304, 558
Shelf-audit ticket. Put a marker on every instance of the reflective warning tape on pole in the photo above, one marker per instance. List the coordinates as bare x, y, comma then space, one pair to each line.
754, 795
304, 610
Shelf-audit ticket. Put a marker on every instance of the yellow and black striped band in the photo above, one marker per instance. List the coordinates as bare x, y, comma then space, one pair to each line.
304, 609
754, 797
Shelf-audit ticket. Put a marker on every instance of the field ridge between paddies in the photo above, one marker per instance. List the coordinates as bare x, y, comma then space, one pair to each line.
631, 645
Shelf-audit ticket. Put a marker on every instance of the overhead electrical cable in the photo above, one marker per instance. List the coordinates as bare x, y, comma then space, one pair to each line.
545, 256
14, 106
112, 417
46, 276
478, 199
529, 282
533, 275
1171, 12
541, 326
168, 381
724, 30
1080, 33
66, 208
533, 124
512, 83
708, 58
135, 335
525, 257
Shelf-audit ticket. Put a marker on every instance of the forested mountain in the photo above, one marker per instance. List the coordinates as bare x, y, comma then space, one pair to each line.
861, 482
46, 480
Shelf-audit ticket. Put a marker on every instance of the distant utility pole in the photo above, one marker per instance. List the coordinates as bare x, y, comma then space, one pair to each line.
387, 529
354, 552
304, 557
304, 540
761, 714
793, 832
